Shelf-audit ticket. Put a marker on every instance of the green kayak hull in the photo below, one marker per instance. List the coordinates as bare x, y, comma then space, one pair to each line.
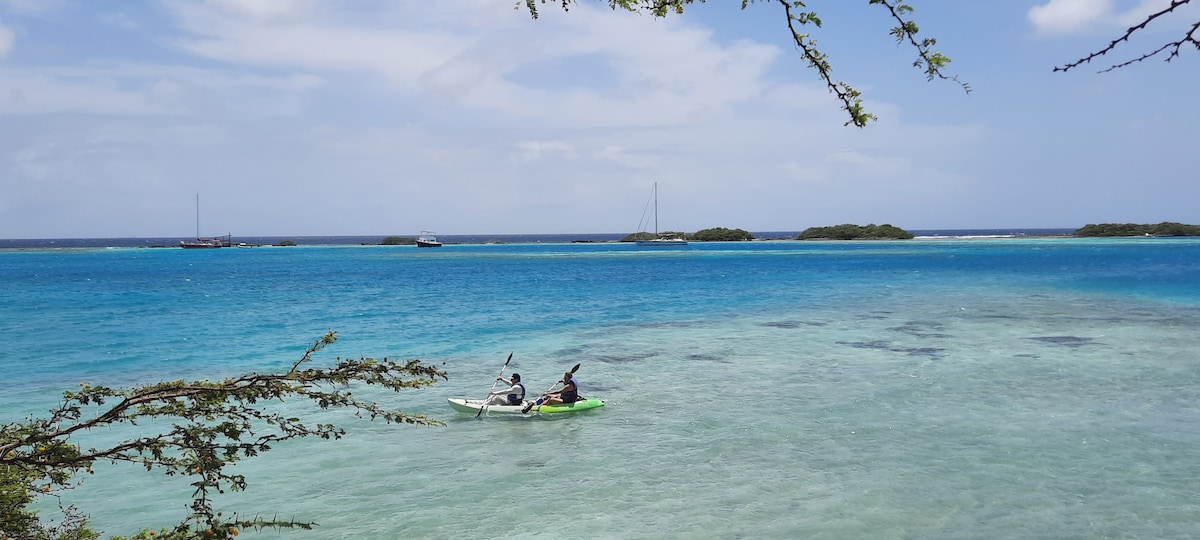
472, 406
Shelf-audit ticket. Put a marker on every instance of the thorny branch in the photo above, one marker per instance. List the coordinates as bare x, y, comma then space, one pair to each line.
1174, 46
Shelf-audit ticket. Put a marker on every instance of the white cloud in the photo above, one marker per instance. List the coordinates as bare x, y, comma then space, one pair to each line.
398, 58
648, 71
7, 38
623, 156
1143, 9
59, 90
146, 89
534, 150
264, 9
1075, 16
1068, 16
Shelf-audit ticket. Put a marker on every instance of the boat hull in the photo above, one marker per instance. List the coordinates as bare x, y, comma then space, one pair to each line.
202, 243
663, 242
472, 406
428, 240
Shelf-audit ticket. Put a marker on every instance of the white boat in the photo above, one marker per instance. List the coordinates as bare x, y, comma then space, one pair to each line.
427, 239
202, 243
663, 241
660, 240
473, 405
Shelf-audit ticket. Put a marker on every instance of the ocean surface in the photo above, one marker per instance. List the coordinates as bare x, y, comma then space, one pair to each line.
69, 243
1013, 387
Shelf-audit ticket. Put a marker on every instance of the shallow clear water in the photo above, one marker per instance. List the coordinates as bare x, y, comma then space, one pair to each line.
923, 389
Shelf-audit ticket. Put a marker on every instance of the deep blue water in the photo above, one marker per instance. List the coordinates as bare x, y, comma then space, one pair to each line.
1006, 387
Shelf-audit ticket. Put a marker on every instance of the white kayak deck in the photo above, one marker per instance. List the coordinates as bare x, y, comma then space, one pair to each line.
473, 405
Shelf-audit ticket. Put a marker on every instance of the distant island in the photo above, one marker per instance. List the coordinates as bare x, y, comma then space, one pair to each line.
845, 231
716, 234
399, 241
849, 231
1165, 228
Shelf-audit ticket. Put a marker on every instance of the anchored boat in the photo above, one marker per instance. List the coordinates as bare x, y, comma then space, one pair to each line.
205, 243
427, 239
660, 240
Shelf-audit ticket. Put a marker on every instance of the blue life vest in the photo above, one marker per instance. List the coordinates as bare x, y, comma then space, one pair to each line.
517, 398
571, 396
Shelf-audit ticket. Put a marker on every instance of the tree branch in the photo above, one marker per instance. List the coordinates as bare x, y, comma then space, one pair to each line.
213, 424
850, 98
933, 61
1174, 46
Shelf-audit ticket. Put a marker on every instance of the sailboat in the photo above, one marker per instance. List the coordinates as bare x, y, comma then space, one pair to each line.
660, 240
202, 243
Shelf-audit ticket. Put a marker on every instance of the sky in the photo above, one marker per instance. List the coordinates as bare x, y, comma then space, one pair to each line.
385, 117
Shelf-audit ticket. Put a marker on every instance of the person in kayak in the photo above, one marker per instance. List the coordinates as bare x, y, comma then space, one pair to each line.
513, 395
569, 393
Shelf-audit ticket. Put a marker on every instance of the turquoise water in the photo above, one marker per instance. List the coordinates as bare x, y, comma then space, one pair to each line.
999, 388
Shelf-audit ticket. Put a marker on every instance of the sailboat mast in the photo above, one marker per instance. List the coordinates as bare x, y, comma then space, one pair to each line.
656, 209
197, 215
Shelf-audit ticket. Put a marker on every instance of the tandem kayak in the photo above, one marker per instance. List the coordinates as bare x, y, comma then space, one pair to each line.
472, 406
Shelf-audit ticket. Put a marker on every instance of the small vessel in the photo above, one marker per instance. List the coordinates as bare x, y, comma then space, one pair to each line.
428, 239
660, 240
473, 405
204, 243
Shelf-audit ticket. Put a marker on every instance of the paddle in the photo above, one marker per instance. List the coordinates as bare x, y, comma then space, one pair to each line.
485, 400
573, 370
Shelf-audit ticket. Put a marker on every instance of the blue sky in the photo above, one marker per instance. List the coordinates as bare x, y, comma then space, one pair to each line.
315, 117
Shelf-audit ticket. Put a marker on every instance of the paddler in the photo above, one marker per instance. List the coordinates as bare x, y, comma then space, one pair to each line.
513, 395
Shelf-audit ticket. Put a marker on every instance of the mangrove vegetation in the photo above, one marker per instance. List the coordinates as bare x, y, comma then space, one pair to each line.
849, 231
1165, 228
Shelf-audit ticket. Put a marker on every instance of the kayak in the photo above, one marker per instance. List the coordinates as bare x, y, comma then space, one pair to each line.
472, 406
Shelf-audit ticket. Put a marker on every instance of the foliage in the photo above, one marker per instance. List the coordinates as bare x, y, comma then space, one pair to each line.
18, 491
1189, 37
933, 63
399, 241
720, 234
855, 232
1166, 228
286, 243
634, 237
213, 425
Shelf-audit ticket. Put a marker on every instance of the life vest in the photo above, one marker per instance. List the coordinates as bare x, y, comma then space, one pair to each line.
571, 396
516, 398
